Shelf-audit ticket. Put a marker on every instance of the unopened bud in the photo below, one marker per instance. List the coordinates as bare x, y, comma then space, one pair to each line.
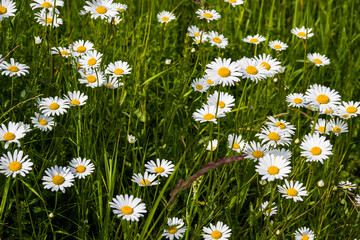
321, 183
343, 201
334, 188
168, 61
193, 50
278, 232
297, 141
263, 182
38, 40
275, 79
51, 215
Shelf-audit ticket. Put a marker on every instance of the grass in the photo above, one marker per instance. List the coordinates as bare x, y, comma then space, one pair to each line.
156, 105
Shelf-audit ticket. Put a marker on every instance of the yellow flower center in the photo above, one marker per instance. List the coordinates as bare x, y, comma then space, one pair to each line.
48, 20
351, 109
165, 19
54, 106
58, 180
280, 125
318, 61
216, 234
273, 170
46, 5
126, 210
15, 166
101, 10
292, 192
109, 85
297, 100
304, 237
322, 129
3, 10
64, 53
347, 186
277, 47
43, 122
13, 69
236, 146
196, 34
80, 169
173, 230
120, 9
224, 72
91, 78
258, 154
208, 15
9, 136
81, 49
316, 151
145, 182
323, 99
159, 169
199, 87
213, 148
232, 1
92, 61
265, 65
251, 70
209, 116
254, 40
301, 34
221, 104
345, 116
209, 81
75, 102
274, 136
118, 71
198, 41
217, 40
337, 129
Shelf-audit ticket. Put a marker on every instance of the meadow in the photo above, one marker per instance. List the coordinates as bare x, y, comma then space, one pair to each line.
122, 121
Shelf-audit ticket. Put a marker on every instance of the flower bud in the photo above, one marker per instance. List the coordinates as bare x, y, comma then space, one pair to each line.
275, 80
321, 183
131, 138
193, 50
38, 40
278, 232
263, 182
168, 61
297, 141
51, 215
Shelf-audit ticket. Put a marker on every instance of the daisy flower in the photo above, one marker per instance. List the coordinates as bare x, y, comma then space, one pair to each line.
15, 163
315, 148
322, 126
58, 178
165, 17
92, 78
252, 69
234, 3
200, 85
128, 207
302, 32
200, 39
254, 39
304, 233
223, 71
81, 167
81, 47
209, 15
46, 4
347, 185
145, 180
207, 114
13, 68
286, 154
50, 18
7, 9
223, 100
76, 98
162, 168
267, 209
273, 167
12, 133
120, 7
43, 122
236, 143
349, 108
61, 50
53, 106
115, 20
212, 145
118, 69
194, 31
274, 136
319, 60
209, 80
220, 231
278, 45
281, 124
255, 150
322, 98
293, 190
91, 59
101, 8
175, 229
217, 39
296, 100
270, 64
112, 82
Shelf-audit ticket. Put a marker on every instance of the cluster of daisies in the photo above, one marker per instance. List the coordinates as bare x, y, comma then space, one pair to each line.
48, 14
87, 61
